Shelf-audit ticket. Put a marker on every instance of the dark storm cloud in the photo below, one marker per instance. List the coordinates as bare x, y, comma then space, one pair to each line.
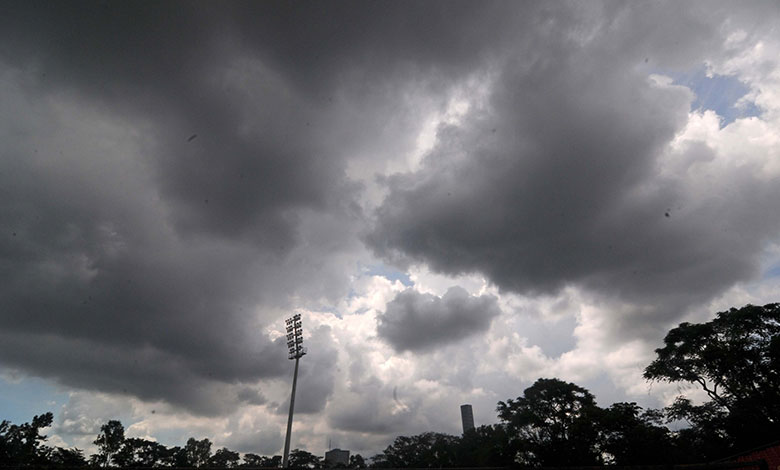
417, 322
145, 278
143, 372
159, 160
255, 82
526, 203
160, 163
554, 179
372, 407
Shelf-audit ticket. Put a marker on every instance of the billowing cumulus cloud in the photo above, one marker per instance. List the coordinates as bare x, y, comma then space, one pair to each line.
558, 178
416, 322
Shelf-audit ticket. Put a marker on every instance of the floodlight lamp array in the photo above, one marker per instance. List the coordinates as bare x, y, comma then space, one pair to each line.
295, 336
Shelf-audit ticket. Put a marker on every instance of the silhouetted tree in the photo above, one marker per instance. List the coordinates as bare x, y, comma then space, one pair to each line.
705, 438
252, 460
196, 453
302, 459
109, 441
67, 457
23, 444
136, 452
224, 458
735, 359
357, 461
485, 446
273, 462
553, 424
631, 436
176, 457
425, 450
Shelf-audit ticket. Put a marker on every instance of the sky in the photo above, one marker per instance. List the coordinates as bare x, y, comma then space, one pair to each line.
459, 198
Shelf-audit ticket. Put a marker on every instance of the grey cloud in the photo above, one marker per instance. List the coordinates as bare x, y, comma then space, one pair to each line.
316, 375
553, 180
414, 321
251, 396
373, 409
146, 373
165, 254
261, 442
135, 261
148, 262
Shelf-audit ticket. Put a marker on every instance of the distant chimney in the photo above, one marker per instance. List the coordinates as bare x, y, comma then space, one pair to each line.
467, 416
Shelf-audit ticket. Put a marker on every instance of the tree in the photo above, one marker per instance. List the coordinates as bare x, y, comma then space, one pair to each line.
272, 462
705, 439
631, 436
357, 461
302, 459
485, 446
224, 458
735, 359
254, 460
176, 457
109, 441
196, 453
425, 450
67, 457
136, 452
23, 444
553, 424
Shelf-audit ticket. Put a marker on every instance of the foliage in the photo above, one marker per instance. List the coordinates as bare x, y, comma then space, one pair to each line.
196, 453
60, 457
553, 424
705, 438
357, 461
485, 446
136, 452
23, 444
224, 458
254, 460
425, 450
109, 441
302, 459
735, 359
631, 436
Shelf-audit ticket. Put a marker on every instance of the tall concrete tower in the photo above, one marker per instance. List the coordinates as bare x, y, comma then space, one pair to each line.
467, 416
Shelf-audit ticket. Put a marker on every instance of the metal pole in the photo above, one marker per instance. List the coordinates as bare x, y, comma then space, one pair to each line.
289, 418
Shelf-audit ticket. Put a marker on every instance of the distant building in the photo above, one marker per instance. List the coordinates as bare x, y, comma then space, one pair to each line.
467, 416
337, 458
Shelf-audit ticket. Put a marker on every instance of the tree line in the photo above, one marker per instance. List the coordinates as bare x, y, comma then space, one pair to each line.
734, 359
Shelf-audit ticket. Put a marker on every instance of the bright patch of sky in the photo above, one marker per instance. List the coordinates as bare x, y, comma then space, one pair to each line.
28, 397
389, 273
540, 332
774, 271
719, 93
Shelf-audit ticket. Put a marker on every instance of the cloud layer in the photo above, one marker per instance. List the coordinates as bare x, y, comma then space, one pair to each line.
176, 179
417, 322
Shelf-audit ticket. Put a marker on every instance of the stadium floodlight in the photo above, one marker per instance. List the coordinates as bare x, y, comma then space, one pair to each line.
296, 351
295, 338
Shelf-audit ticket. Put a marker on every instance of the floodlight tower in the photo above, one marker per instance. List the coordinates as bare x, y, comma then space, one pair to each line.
296, 349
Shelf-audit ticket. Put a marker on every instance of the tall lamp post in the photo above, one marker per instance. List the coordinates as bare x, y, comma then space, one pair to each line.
296, 350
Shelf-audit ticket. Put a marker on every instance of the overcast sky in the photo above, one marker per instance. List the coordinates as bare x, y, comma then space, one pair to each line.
458, 197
